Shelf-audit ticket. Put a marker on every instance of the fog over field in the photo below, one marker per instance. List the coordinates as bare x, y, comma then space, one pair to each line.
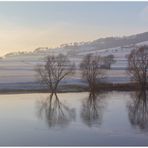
17, 69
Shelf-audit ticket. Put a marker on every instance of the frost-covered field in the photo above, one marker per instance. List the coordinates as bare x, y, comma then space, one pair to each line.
18, 71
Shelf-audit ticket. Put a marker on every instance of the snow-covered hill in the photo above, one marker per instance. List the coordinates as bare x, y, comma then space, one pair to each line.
19, 68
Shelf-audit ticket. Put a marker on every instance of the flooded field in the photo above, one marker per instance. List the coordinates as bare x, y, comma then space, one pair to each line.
111, 118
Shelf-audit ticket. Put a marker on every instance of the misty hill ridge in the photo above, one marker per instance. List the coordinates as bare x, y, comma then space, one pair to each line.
20, 67
102, 43
110, 42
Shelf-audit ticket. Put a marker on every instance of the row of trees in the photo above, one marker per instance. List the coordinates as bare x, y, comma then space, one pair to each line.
92, 67
57, 68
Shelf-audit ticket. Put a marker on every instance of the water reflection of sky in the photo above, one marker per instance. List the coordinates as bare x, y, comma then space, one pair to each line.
72, 119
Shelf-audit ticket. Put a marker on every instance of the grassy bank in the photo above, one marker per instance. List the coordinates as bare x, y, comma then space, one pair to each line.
118, 87
77, 88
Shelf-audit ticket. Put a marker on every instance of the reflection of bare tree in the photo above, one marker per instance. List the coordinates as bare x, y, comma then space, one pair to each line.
138, 110
55, 112
92, 109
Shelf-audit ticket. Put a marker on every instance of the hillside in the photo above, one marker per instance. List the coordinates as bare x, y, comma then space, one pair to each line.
17, 69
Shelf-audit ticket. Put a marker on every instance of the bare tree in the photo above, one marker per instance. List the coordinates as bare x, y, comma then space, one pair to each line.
138, 65
56, 68
91, 71
108, 60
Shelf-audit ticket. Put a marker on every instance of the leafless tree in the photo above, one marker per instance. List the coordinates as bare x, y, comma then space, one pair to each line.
108, 60
56, 68
91, 70
138, 65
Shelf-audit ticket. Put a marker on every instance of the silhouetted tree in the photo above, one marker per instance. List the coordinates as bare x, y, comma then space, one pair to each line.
91, 70
108, 60
138, 65
56, 68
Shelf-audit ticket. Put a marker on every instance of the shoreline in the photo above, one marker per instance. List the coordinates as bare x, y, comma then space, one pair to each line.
77, 88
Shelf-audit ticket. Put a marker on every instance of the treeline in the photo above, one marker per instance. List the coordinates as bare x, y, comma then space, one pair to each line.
59, 67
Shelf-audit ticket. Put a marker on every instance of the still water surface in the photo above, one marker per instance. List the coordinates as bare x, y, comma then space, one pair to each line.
112, 118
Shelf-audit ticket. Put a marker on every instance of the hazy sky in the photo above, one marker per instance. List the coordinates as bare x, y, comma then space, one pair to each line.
25, 26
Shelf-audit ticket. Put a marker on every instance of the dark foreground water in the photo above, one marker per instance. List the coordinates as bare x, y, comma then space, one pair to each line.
113, 118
